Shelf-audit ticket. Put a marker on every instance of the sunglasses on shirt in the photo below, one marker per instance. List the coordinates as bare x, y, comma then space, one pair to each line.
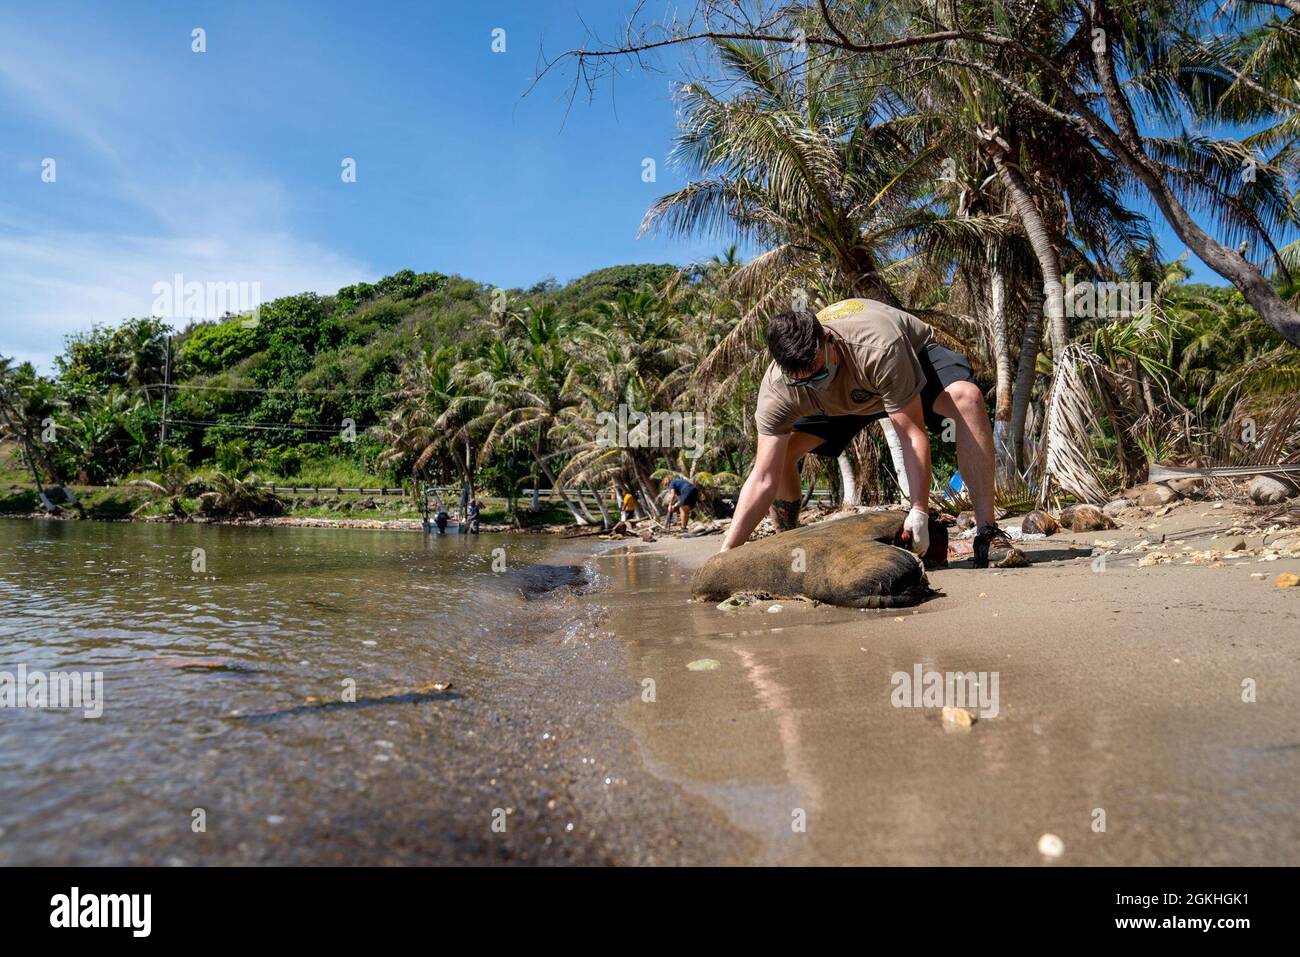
819, 376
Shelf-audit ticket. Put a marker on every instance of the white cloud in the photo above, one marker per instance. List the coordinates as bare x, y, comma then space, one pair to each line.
60, 283
192, 202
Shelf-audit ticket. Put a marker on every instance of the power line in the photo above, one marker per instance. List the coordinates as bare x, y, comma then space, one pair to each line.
235, 388
304, 426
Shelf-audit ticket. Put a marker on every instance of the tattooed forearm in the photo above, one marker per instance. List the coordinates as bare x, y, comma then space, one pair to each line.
785, 514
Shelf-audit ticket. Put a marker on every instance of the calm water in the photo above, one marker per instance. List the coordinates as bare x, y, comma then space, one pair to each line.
262, 759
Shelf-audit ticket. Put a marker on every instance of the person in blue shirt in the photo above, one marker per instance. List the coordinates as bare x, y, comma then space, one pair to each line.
682, 496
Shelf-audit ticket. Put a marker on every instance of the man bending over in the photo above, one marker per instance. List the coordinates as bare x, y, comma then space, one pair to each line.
834, 373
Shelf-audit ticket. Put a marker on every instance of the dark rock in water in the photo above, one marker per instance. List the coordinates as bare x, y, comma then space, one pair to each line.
1039, 522
1085, 518
538, 580
846, 561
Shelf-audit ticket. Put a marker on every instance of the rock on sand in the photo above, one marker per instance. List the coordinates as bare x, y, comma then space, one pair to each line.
1085, 518
1039, 522
1267, 490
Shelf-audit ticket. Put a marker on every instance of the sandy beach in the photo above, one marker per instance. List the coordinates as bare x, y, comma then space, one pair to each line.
1121, 724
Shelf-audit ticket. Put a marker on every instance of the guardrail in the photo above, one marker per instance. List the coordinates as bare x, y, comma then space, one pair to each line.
450, 492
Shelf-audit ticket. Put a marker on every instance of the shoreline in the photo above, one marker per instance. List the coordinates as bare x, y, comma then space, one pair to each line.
763, 722
1121, 704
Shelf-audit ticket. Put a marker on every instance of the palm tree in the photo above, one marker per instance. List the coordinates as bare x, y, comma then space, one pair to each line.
530, 399
174, 482
422, 427
237, 497
27, 401
814, 169
106, 434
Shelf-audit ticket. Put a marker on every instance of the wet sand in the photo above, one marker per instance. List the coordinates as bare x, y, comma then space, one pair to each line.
1120, 692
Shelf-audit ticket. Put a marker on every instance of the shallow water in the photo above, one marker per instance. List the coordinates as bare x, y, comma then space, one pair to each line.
304, 728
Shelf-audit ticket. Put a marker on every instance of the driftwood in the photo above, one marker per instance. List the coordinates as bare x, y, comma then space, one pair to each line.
1165, 473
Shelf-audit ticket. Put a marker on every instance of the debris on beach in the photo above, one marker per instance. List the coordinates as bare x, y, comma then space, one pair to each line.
1155, 558
740, 599
1039, 522
703, 664
1049, 845
1012, 558
1287, 580
957, 719
1151, 495
1267, 490
1085, 518
772, 609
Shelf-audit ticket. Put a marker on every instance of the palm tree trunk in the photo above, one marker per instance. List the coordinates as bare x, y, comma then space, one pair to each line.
647, 496
555, 486
848, 481
1040, 240
600, 504
999, 334
896, 456
1025, 375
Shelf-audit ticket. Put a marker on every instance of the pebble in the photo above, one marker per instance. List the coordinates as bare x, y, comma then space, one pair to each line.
704, 664
1287, 580
773, 609
957, 719
1049, 845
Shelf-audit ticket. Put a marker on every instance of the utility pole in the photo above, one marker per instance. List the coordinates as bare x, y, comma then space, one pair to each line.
167, 388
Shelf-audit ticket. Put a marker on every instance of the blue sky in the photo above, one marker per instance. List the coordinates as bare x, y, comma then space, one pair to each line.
225, 166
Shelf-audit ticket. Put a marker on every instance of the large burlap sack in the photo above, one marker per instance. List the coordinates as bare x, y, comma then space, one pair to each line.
847, 561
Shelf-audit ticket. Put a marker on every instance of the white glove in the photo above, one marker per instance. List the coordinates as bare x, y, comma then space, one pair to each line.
916, 531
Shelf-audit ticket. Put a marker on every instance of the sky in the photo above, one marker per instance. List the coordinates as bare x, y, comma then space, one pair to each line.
226, 166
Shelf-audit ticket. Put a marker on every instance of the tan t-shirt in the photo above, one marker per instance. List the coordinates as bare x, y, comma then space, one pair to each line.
879, 369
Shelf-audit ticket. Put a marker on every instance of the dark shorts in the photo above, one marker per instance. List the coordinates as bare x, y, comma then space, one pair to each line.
689, 498
942, 368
